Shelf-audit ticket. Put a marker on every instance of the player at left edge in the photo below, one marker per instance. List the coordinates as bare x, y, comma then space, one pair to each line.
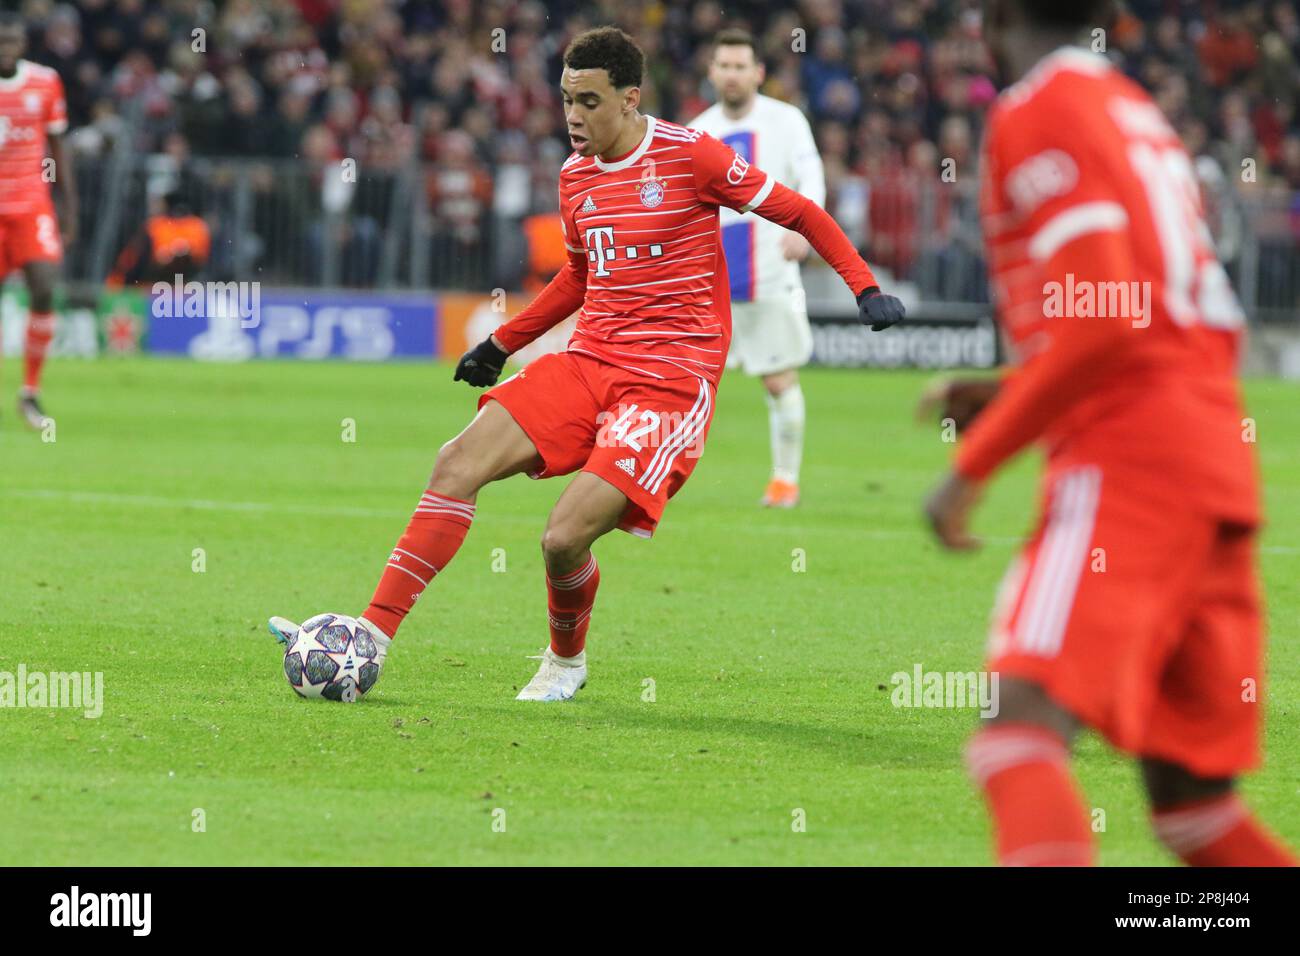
33, 119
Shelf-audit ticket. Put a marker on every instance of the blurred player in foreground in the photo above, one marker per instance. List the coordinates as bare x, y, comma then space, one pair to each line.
32, 114
628, 404
1135, 607
769, 320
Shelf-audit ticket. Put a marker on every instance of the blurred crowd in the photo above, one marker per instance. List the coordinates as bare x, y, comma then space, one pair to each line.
896, 91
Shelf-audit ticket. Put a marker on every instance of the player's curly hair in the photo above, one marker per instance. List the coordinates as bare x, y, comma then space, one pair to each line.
608, 49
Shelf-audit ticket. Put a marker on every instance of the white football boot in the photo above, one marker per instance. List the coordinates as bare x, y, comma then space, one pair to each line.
559, 678
285, 631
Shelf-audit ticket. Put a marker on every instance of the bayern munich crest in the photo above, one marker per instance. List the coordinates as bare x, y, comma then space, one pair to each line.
652, 192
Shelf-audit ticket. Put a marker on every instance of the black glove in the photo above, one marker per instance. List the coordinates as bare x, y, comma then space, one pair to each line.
878, 310
481, 365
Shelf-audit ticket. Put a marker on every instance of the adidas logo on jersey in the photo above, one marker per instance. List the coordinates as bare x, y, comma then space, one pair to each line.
589, 205
628, 465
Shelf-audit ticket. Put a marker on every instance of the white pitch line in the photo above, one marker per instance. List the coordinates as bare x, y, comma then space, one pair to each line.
208, 504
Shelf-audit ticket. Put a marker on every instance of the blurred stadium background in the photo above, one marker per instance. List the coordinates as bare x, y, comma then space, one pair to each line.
368, 149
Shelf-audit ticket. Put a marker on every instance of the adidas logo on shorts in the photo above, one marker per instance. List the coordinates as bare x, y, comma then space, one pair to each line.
628, 465
589, 205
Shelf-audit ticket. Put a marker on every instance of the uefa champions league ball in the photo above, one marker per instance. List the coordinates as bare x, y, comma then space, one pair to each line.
333, 656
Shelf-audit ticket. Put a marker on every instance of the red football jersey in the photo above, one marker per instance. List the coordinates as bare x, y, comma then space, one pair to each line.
1107, 288
657, 290
646, 263
32, 106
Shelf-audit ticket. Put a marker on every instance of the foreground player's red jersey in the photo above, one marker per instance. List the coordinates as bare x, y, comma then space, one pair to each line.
1107, 287
31, 107
646, 260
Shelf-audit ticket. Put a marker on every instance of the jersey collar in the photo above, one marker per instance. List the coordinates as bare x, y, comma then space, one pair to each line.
18, 79
1068, 57
633, 156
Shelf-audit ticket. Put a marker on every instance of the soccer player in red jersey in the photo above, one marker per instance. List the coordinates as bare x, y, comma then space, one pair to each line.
628, 405
33, 114
1134, 609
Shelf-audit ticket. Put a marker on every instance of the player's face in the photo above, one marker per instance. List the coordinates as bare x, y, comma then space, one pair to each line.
13, 41
735, 73
594, 110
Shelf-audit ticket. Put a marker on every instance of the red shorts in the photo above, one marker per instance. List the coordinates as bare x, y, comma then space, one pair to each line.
1142, 621
29, 237
642, 435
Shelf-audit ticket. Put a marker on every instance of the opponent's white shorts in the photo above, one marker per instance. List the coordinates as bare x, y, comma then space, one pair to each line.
770, 335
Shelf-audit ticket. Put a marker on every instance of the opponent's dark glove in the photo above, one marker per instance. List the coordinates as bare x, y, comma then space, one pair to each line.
481, 366
878, 310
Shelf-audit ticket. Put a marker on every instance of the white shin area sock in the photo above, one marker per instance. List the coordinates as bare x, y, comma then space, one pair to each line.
785, 414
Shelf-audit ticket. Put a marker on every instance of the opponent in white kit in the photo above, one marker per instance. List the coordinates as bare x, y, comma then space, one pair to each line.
771, 337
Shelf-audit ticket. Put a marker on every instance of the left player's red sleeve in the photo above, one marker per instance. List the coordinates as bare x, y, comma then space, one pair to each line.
1083, 353
725, 178
795, 211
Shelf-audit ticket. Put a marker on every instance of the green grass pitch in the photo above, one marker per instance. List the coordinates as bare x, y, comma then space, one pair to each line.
770, 685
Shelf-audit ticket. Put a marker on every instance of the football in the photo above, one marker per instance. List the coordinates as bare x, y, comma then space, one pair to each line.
333, 656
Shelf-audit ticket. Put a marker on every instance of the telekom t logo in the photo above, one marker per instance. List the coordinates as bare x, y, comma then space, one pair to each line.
601, 249
600, 240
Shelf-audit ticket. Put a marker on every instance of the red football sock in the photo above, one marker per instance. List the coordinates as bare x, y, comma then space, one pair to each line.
569, 600
1219, 831
40, 332
1037, 811
431, 540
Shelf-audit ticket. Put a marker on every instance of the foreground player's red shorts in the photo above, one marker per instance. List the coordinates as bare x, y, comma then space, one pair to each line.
1141, 619
642, 435
29, 237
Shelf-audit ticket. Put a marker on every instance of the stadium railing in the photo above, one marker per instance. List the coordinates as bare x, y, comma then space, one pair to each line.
292, 223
